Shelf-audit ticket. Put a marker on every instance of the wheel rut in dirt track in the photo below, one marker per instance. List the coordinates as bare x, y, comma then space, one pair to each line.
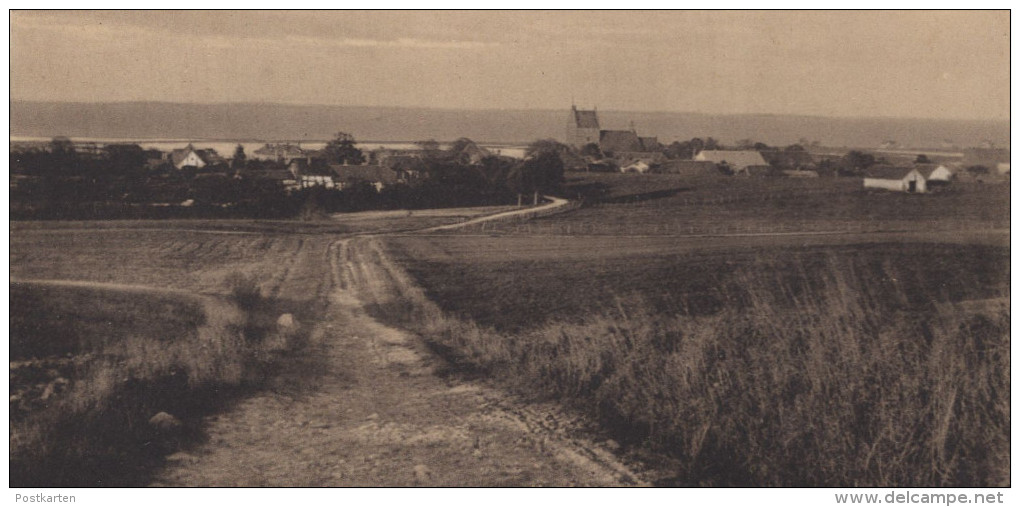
362, 406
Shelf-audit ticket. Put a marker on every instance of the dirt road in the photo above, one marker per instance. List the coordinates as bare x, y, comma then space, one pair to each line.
364, 406
554, 202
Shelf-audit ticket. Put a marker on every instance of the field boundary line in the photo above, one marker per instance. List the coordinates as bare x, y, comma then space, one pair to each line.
133, 229
117, 287
527, 213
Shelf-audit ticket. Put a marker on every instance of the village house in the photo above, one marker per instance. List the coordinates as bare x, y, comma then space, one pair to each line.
306, 174
281, 176
897, 179
190, 157
376, 175
381, 155
406, 168
746, 162
281, 152
936, 175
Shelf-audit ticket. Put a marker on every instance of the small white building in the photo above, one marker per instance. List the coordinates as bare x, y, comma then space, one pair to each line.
187, 157
941, 174
739, 161
897, 179
190, 157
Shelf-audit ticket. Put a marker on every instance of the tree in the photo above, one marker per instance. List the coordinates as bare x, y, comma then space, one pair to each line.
977, 169
679, 150
540, 172
463, 150
711, 144
922, 159
567, 155
761, 147
127, 161
856, 161
545, 145
430, 148
342, 150
697, 145
61, 145
592, 150
794, 147
240, 159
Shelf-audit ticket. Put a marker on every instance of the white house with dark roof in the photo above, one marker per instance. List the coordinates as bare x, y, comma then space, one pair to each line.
739, 161
897, 179
939, 173
190, 157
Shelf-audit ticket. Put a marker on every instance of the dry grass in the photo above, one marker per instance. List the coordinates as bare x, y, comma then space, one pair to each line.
94, 365
517, 283
817, 385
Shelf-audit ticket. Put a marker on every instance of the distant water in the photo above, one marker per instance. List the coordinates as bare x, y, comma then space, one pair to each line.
226, 148
253, 123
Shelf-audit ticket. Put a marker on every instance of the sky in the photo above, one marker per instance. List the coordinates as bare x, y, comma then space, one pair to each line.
917, 64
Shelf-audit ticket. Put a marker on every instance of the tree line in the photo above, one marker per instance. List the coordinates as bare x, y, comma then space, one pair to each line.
61, 183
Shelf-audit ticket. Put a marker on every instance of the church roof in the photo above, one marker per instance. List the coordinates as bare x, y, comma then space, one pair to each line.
586, 119
619, 140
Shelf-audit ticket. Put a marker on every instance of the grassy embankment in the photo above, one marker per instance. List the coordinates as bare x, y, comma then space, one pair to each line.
91, 366
849, 366
176, 331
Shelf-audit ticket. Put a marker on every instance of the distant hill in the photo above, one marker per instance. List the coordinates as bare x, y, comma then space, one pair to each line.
161, 120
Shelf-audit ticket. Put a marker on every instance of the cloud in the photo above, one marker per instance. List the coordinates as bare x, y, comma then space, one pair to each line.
401, 43
72, 28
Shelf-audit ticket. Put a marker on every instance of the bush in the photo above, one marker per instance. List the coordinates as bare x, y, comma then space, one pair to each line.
244, 291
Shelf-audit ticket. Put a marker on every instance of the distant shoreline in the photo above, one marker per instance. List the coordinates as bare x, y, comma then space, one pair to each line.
499, 110
258, 123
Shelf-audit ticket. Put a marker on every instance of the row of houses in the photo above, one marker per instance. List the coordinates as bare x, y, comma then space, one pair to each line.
304, 174
916, 179
305, 168
737, 162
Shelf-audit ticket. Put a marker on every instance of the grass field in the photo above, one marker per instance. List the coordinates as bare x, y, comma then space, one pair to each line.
340, 223
697, 323
713, 205
852, 359
288, 266
881, 364
514, 283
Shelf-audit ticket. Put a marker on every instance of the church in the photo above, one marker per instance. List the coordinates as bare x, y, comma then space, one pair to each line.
583, 128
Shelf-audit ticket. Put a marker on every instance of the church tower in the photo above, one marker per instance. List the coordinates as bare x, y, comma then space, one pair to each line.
582, 127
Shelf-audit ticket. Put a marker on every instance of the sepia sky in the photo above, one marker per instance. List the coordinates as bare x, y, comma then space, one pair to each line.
892, 64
